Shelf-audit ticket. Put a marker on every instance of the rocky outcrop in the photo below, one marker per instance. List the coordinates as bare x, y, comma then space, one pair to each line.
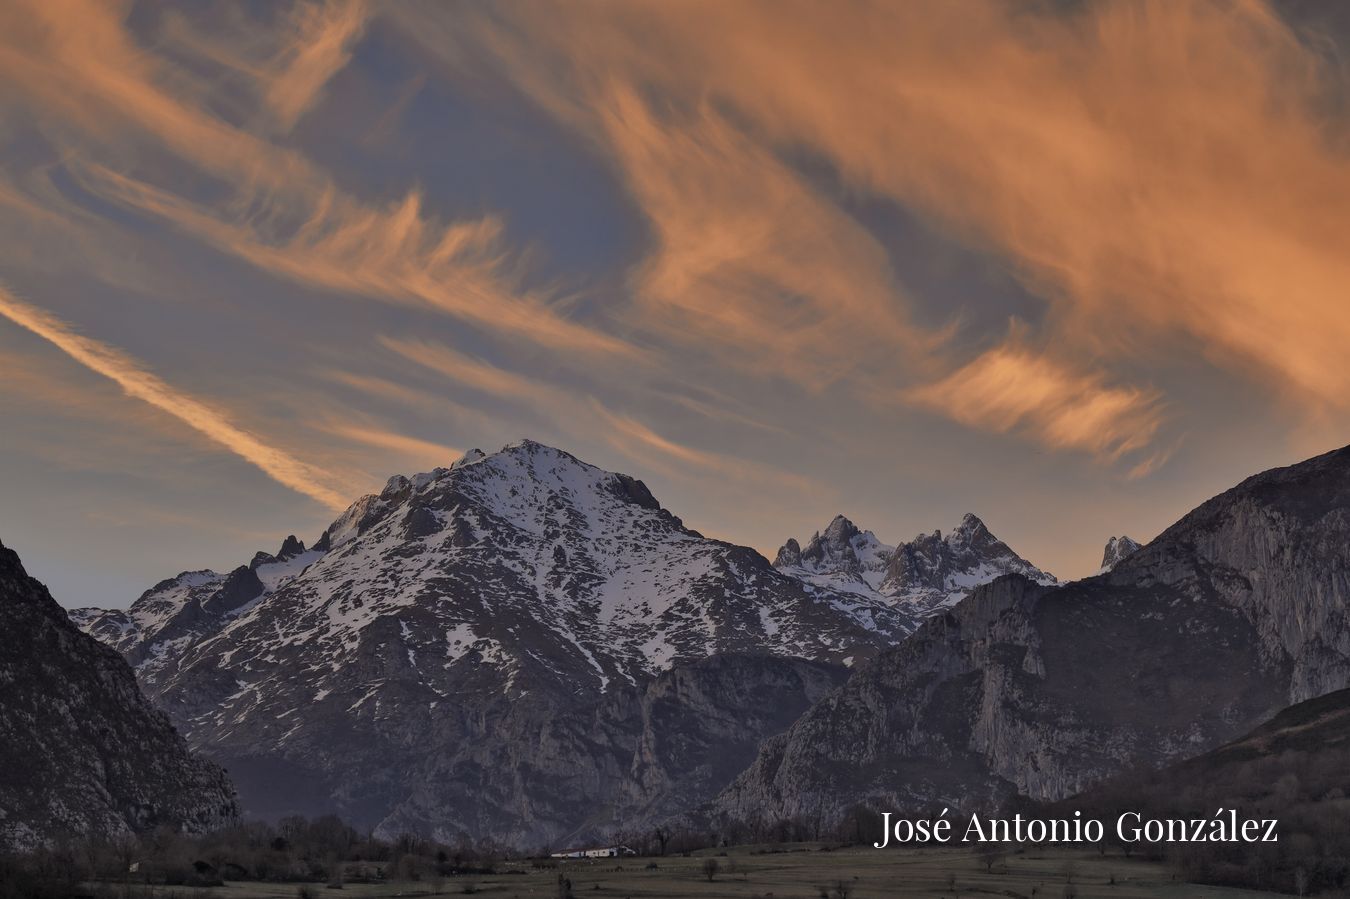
1117, 549
82, 753
1234, 612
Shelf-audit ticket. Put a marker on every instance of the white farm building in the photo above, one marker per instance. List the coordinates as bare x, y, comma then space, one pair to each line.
605, 852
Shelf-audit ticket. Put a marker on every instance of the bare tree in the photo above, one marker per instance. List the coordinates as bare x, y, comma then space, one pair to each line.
990, 854
710, 868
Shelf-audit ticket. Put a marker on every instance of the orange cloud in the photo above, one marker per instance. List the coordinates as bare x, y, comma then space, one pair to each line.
286, 56
136, 382
321, 41
748, 255
1012, 388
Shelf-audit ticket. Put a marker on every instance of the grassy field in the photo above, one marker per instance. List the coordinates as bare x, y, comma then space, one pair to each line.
805, 873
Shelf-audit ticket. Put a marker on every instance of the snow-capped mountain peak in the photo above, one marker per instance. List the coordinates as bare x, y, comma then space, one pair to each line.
970, 531
526, 559
931, 571
842, 543
1117, 548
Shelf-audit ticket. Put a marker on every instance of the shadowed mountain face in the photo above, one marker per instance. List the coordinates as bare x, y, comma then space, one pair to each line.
1294, 770
1309, 740
1234, 612
82, 753
514, 647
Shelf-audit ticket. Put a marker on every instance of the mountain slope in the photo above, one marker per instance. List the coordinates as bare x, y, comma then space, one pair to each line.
81, 750
929, 573
460, 616
1231, 614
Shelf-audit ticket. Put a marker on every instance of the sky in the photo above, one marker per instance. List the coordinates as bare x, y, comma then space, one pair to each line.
1073, 267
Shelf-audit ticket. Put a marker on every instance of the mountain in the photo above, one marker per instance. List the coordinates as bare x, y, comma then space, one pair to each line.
1117, 548
426, 662
1234, 612
929, 573
82, 753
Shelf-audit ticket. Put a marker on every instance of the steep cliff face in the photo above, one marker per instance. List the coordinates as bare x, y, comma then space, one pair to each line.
82, 753
1277, 547
1230, 615
620, 765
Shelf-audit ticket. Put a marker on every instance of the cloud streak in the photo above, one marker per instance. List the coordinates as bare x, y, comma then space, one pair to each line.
320, 44
1011, 388
136, 382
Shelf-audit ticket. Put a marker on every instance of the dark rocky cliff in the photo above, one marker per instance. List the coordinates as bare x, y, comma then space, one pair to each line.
81, 750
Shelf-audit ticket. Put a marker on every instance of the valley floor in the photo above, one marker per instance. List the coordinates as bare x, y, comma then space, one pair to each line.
799, 873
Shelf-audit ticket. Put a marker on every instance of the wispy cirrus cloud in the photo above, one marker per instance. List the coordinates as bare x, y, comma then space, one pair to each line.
319, 45
136, 382
1013, 388
283, 59
749, 256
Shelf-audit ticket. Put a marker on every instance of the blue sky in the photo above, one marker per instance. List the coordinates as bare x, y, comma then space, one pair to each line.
1072, 269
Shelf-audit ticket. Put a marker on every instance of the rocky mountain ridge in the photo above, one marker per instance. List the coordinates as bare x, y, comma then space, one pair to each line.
927, 574
180, 610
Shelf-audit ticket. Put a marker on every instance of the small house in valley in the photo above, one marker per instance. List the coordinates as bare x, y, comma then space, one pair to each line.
603, 852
